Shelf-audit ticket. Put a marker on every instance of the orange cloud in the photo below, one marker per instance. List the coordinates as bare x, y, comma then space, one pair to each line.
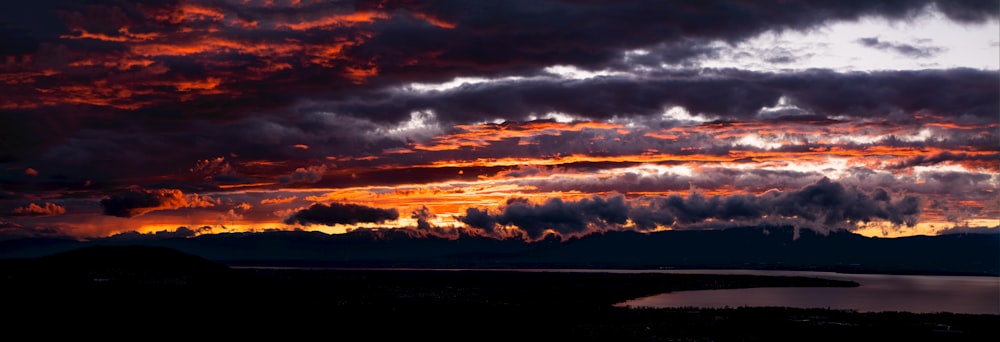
334, 21
25, 77
434, 21
360, 74
205, 84
483, 135
141, 201
123, 36
278, 200
33, 209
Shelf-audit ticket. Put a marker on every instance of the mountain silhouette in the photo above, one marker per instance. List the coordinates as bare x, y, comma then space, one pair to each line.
115, 266
748, 248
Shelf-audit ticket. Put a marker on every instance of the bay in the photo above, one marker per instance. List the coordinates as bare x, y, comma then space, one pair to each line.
876, 293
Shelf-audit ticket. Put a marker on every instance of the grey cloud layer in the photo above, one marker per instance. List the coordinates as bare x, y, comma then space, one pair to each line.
341, 213
900, 48
268, 115
727, 94
156, 136
824, 205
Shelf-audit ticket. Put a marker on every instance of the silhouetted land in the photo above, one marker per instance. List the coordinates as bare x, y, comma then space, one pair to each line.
742, 248
142, 291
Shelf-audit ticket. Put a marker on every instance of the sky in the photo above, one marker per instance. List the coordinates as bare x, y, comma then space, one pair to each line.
510, 119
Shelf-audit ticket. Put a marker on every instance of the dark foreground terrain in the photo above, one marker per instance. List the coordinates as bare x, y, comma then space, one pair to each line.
140, 293
764, 247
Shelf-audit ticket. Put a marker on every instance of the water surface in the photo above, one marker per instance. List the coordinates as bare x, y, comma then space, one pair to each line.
877, 293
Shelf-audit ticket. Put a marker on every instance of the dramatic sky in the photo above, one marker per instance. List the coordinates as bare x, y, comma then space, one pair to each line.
513, 119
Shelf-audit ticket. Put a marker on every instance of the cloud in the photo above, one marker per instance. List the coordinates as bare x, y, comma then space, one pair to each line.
49, 209
310, 174
723, 94
830, 204
180, 232
166, 56
564, 217
106, 94
341, 213
7, 225
137, 56
422, 215
824, 205
973, 161
480, 218
970, 230
969, 11
141, 201
900, 48
555, 214
278, 200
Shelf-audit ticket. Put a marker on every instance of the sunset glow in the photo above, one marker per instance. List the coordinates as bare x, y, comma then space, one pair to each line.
500, 119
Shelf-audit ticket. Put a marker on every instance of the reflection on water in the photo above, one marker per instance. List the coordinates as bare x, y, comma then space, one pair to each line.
878, 292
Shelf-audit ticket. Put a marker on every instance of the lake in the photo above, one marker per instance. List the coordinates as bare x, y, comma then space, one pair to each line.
877, 293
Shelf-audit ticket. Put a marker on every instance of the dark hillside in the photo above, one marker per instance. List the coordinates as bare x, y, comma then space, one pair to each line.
142, 291
742, 248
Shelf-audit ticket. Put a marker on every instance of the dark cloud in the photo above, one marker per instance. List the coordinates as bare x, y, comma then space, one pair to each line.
824, 205
626, 182
595, 34
422, 215
901, 48
143, 117
723, 93
951, 92
831, 203
479, 218
970, 230
140, 201
110, 93
310, 175
18, 43
5, 225
969, 11
14, 231
341, 213
986, 161
563, 217
180, 232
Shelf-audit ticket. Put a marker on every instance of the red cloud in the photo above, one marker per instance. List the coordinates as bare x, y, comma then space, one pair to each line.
36, 210
138, 202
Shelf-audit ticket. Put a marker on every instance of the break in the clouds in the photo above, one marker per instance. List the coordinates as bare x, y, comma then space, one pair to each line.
506, 118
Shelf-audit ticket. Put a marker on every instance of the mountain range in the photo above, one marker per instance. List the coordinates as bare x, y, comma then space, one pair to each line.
782, 248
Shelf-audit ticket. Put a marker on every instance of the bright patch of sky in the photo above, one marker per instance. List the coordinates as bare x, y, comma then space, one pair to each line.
422, 124
646, 170
555, 116
678, 113
758, 142
834, 168
570, 72
927, 41
453, 84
